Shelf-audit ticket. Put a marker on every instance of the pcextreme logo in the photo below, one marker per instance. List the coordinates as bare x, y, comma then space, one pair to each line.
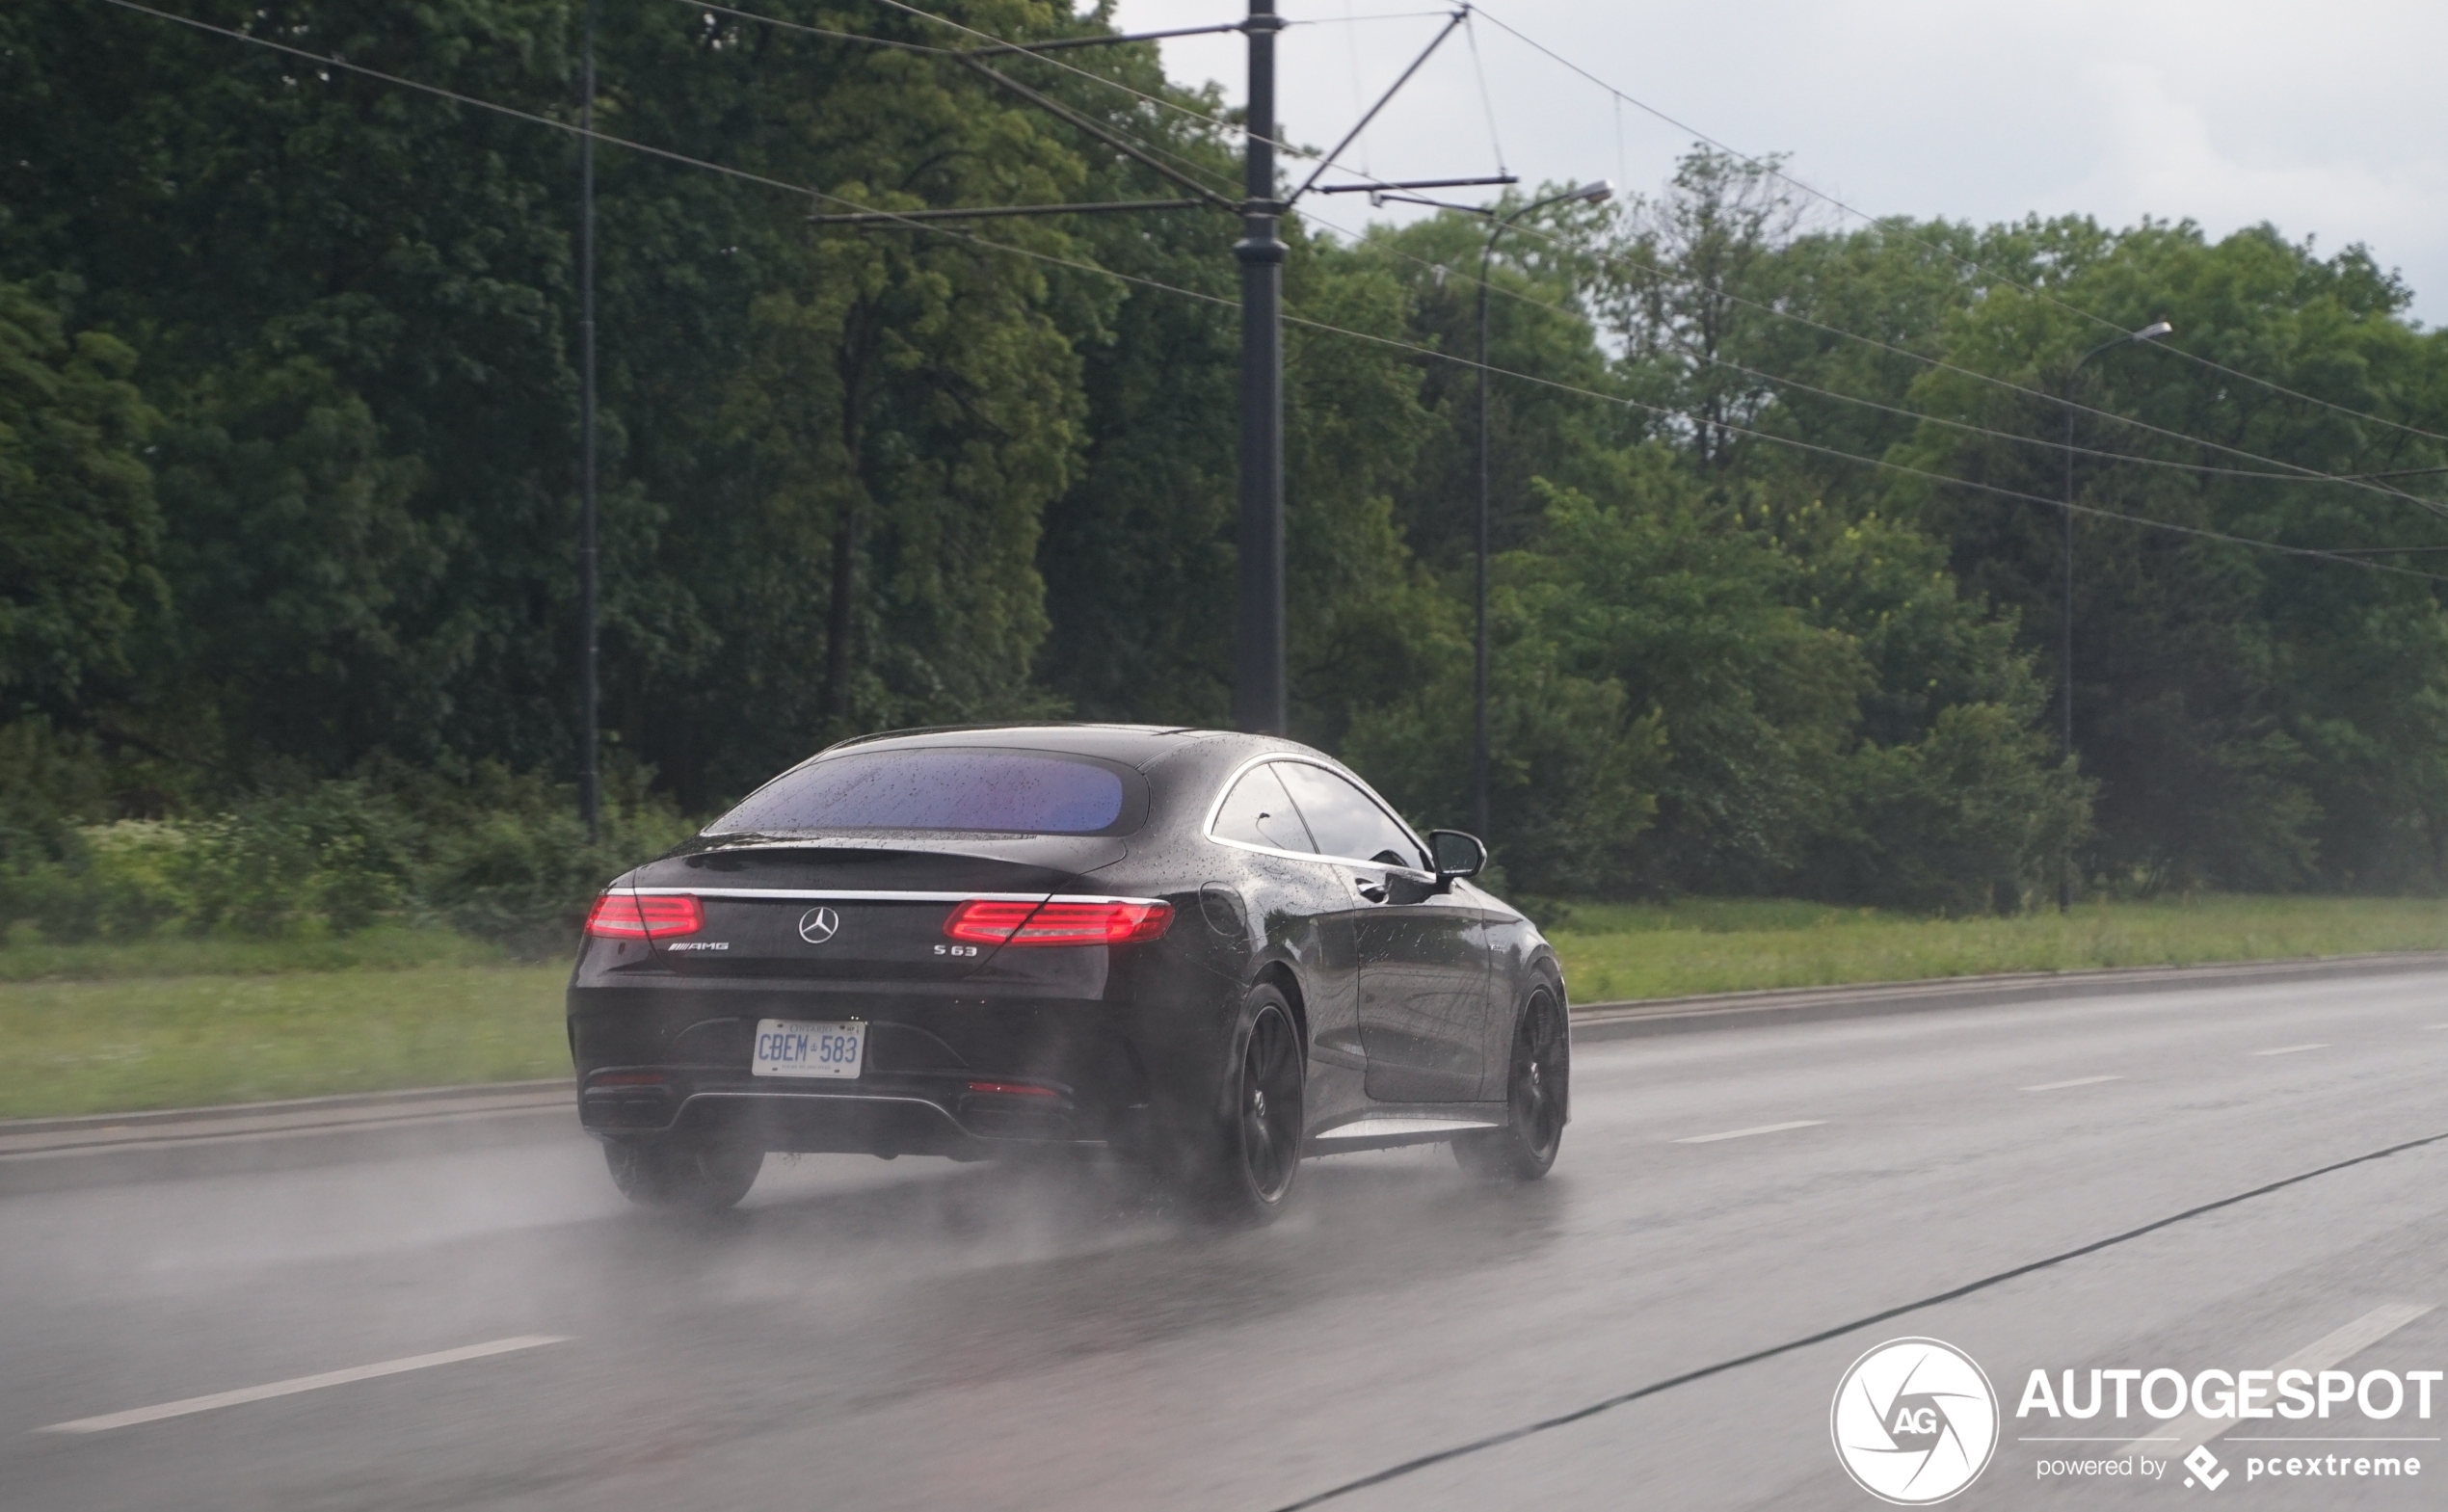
1915, 1421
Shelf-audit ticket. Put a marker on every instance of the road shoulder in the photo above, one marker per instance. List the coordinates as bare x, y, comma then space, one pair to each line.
97, 1149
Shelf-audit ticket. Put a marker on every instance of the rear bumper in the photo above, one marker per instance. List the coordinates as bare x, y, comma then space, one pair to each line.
941, 1075
872, 1115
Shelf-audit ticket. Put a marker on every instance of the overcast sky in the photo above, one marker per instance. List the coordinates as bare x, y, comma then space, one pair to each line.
2323, 119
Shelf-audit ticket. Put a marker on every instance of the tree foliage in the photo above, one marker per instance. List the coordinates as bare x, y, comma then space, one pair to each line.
288, 487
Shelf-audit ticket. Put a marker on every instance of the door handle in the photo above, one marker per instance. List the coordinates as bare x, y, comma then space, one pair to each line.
1371, 888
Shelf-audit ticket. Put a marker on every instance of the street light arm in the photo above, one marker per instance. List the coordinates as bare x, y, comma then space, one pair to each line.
1506, 222
2150, 332
2104, 346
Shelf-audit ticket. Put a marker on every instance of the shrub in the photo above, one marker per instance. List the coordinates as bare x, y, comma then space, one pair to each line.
500, 857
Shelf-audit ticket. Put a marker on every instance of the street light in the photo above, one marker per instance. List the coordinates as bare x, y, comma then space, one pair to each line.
2065, 662
1593, 192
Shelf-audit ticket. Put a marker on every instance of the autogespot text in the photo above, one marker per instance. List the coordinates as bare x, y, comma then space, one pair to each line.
2220, 1398
2242, 1394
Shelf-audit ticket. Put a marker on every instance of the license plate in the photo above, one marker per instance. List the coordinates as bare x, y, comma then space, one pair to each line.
787, 1047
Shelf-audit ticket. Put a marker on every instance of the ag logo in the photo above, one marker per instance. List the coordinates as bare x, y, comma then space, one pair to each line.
1914, 1421
818, 925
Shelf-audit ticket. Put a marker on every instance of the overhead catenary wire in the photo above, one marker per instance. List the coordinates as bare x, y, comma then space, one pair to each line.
707, 5
968, 55
1393, 343
1487, 101
2066, 401
1770, 166
1881, 463
1967, 427
1175, 106
2353, 480
1351, 51
2293, 472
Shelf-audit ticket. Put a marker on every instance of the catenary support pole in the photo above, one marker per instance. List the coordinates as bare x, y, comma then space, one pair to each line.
2066, 650
1593, 192
1257, 654
587, 803
1479, 634
2066, 660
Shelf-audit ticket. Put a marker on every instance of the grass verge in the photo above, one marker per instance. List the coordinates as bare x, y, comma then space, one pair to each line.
1615, 952
189, 1022
388, 947
173, 1022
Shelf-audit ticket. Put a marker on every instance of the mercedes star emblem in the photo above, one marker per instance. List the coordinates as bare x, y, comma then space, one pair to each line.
818, 924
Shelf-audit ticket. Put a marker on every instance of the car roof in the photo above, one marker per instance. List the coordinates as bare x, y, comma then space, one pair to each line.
1137, 745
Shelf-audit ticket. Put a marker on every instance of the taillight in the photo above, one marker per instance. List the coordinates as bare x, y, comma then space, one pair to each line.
648, 916
988, 922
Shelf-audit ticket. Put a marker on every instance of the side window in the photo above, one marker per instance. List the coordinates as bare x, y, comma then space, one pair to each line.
1345, 821
1258, 812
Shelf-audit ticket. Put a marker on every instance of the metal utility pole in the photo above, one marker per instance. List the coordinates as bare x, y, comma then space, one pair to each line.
587, 803
1257, 642
1259, 701
2065, 659
1593, 192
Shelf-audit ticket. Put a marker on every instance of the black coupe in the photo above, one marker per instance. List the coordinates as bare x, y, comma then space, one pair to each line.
1214, 953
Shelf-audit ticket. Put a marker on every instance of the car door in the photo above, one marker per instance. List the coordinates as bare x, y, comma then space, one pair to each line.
1258, 817
1423, 966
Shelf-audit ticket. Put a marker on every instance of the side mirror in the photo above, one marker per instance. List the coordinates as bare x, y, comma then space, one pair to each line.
1456, 855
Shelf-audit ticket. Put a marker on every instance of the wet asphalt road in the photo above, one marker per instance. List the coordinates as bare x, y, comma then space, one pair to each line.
916, 1334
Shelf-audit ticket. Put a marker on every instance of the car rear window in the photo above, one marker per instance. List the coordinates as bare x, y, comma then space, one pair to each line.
1019, 792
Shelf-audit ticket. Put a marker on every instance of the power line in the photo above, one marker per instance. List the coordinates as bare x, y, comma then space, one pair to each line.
1393, 343
1770, 166
2303, 473
1136, 93
967, 55
1907, 468
1359, 103
1329, 159
1943, 365
1487, 101
514, 111
1965, 426
1215, 123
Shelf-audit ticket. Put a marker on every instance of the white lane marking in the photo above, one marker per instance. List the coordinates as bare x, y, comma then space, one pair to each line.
2326, 1353
302, 1383
2078, 1081
2289, 1050
1745, 1134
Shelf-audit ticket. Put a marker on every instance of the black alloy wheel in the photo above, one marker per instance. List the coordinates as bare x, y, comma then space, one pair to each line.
683, 1175
1252, 1173
1537, 1096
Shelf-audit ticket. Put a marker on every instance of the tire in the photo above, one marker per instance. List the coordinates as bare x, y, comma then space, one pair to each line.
1245, 1167
1538, 1097
683, 1175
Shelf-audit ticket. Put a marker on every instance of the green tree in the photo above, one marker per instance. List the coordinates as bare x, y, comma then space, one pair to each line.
79, 529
